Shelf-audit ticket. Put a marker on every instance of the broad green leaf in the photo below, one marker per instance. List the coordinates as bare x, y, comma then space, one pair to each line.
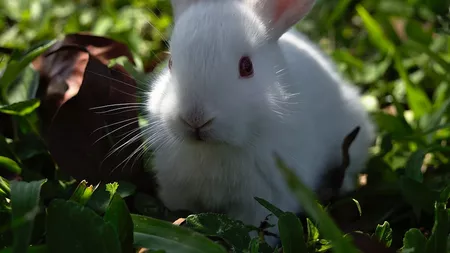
375, 31
100, 199
25, 206
156, 234
414, 165
414, 241
291, 233
83, 193
6, 235
31, 249
384, 233
273, 209
418, 194
150, 206
24, 87
125, 189
72, 227
15, 67
234, 232
21, 108
29, 146
119, 217
438, 239
305, 196
10, 165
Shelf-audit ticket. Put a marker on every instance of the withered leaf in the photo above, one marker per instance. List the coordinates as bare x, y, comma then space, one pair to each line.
74, 80
62, 70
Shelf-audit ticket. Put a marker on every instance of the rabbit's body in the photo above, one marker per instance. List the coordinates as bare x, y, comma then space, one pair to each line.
334, 106
304, 113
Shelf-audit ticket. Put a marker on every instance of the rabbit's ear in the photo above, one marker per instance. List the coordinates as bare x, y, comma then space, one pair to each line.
178, 6
280, 15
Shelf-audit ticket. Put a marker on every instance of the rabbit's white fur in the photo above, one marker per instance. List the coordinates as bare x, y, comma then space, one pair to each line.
295, 105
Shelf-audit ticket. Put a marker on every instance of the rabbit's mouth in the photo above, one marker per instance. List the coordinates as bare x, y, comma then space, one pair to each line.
208, 137
195, 129
212, 132
199, 137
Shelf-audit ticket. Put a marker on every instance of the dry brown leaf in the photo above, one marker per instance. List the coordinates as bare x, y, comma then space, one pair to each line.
74, 80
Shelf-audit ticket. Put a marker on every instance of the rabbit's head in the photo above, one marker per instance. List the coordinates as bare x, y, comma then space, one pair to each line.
225, 78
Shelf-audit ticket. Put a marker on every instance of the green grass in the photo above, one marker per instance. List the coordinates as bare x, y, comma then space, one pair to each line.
398, 52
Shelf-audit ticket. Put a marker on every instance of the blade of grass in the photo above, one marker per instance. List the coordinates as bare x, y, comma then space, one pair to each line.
417, 98
434, 56
10, 165
376, 33
309, 202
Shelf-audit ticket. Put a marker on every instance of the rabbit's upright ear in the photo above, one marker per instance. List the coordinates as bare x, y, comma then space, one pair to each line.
178, 6
280, 15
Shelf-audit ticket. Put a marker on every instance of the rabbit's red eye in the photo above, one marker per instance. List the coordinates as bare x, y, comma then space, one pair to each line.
170, 63
246, 67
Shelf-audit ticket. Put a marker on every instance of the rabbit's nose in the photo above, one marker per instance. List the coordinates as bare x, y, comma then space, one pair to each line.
197, 127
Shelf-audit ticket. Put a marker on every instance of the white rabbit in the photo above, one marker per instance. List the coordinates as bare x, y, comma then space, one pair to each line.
239, 87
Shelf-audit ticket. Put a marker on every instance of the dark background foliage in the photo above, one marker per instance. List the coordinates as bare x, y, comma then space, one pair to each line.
73, 72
